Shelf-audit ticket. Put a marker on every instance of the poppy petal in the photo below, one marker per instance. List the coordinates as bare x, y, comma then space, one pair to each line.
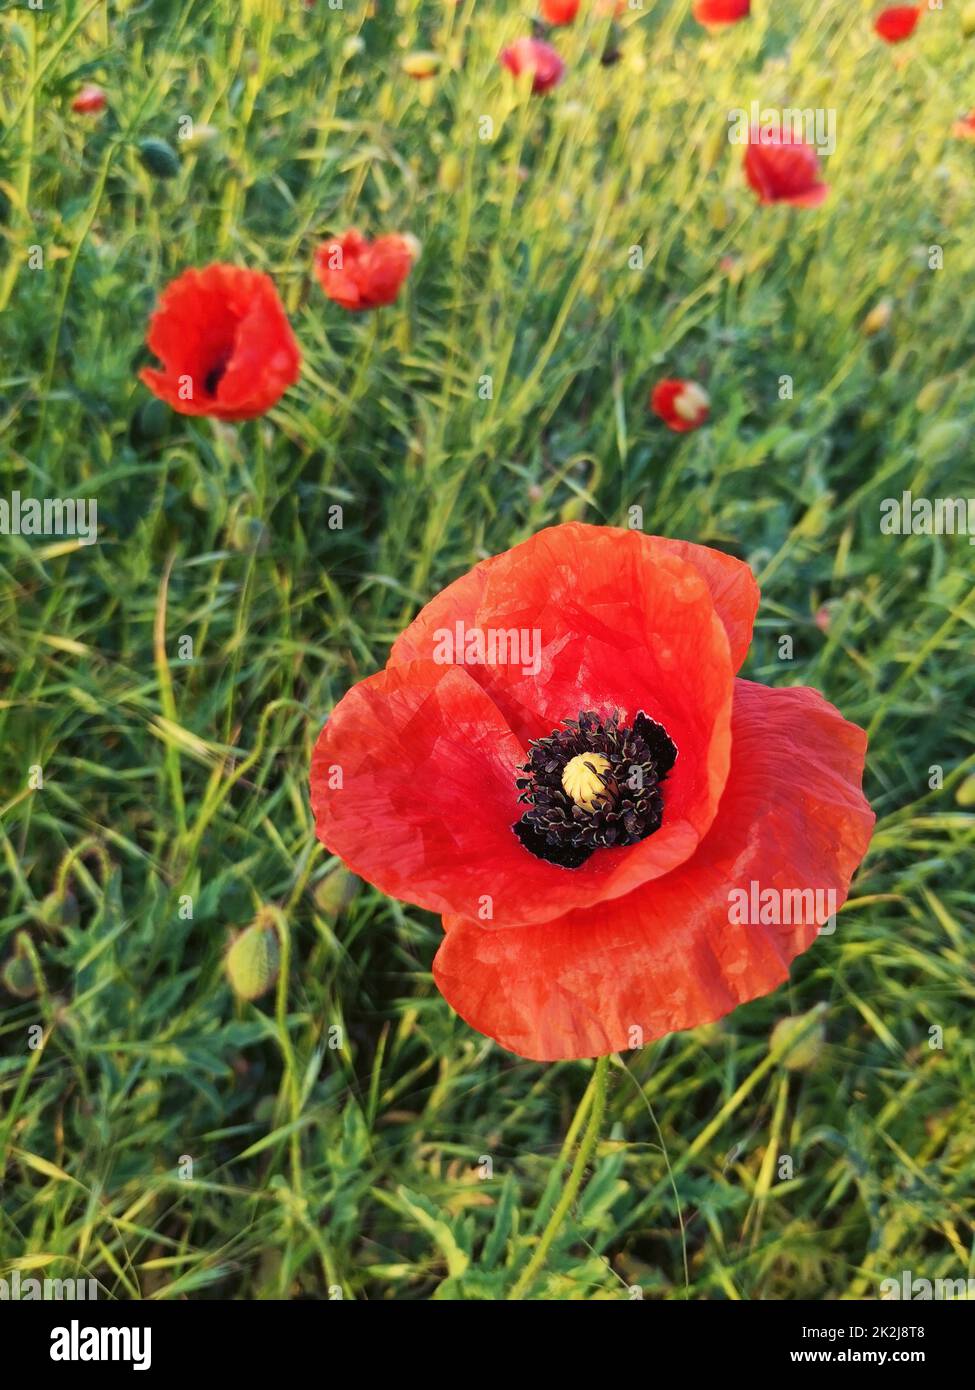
734, 593
669, 955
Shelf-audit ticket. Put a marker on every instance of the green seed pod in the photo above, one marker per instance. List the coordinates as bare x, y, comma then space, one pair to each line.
159, 158
254, 959
802, 1054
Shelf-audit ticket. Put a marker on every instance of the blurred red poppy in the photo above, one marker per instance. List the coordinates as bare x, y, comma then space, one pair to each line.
586, 806
560, 11
225, 343
782, 169
714, 12
361, 274
682, 405
536, 57
898, 23
90, 98
964, 129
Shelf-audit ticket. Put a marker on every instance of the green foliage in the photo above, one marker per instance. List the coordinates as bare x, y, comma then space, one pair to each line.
339, 1134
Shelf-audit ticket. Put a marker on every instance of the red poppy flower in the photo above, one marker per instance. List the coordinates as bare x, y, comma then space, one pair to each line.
558, 758
964, 129
897, 24
560, 11
714, 12
783, 170
682, 405
90, 98
536, 57
225, 343
361, 274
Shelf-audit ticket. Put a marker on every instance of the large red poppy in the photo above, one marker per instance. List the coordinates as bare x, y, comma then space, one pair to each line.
362, 274
715, 12
898, 23
584, 901
225, 343
782, 169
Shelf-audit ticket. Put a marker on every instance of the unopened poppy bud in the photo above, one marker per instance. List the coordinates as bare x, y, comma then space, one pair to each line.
254, 959
18, 973
799, 1039
451, 173
201, 135
159, 157
968, 21
931, 395
336, 891
422, 65
583, 779
965, 795
877, 319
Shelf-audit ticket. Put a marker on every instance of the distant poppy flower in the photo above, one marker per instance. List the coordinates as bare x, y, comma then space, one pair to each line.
715, 12
898, 23
91, 98
682, 405
560, 11
538, 58
558, 758
964, 129
783, 170
225, 343
362, 274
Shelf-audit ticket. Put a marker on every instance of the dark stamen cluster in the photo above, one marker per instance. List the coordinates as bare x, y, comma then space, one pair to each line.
640, 757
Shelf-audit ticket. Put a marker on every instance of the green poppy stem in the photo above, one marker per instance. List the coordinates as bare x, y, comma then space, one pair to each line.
596, 1095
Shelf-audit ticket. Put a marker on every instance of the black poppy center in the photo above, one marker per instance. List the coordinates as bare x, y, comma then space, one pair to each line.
595, 784
217, 372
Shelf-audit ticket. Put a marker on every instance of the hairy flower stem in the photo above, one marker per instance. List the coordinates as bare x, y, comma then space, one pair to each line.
597, 1092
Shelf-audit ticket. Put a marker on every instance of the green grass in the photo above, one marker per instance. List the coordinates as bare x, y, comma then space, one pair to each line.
365, 1166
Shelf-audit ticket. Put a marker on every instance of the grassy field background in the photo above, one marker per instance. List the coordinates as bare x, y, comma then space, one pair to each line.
416, 1159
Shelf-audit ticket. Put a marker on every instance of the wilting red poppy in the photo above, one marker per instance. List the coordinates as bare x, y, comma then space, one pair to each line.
361, 274
558, 758
964, 129
682, 405
897, 24
783, 170
90, 98
536, 57
225, 343
714, 12
560, 11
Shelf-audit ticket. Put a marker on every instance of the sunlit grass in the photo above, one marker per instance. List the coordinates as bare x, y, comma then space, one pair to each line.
364, 1167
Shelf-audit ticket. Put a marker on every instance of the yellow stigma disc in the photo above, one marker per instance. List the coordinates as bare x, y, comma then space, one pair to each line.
581, 781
